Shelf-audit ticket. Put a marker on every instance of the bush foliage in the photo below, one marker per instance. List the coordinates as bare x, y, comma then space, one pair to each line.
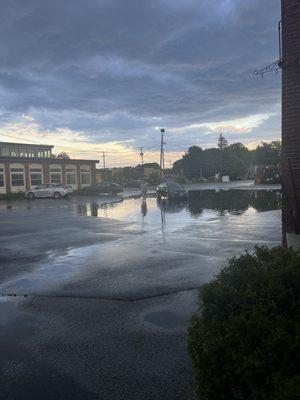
244, 343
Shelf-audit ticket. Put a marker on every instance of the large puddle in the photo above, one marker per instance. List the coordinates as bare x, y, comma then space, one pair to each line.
166, 246
204, 205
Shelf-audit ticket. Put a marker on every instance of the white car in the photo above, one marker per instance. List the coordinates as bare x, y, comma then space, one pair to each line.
47, 190
68, 188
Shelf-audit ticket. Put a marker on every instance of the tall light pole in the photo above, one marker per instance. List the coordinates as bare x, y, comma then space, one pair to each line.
103, 157
142, 156
162, 156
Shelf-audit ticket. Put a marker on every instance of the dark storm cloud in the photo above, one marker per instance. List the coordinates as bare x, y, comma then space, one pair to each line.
115, 69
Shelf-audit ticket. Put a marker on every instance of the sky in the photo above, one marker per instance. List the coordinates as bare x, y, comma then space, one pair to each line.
106, 75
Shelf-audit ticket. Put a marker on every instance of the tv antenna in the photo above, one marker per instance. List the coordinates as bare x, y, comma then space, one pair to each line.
276, 65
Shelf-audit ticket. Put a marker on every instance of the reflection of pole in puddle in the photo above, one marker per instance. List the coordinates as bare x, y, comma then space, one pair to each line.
144, 209
163, 218
105, 211
94, 210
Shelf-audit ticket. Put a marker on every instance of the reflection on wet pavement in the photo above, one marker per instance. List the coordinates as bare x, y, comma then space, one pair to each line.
110, 288
207, 204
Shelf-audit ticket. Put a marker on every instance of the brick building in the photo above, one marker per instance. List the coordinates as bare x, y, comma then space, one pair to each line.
291, 120
23, 166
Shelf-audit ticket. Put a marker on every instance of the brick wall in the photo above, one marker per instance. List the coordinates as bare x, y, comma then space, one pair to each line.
7, 178
93, 174
291, 114
27, 178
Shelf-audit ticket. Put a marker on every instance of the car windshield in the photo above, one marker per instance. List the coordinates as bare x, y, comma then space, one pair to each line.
174, 185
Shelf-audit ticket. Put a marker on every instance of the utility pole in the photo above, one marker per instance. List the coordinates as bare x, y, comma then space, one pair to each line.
162, 157
170, 164
142, 156
103, 157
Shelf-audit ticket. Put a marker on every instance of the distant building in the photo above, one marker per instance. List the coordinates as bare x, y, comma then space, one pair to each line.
23, 166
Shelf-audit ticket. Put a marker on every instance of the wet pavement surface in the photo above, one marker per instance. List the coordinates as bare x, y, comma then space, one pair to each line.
96, 297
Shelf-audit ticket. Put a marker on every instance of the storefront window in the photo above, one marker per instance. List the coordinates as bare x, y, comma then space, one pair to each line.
71, 175
55, 174
71, 179
85, 175
36, 175
55, 178
36, 179
17, 178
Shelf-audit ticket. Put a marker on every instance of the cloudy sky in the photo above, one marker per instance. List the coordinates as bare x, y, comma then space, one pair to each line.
106, 75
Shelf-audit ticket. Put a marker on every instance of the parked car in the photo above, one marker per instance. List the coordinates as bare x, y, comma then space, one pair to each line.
103, 187
171, 190
46, 190
68, 188
133, 184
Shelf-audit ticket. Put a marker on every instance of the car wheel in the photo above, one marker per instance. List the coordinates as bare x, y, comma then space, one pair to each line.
30, 195
56, 195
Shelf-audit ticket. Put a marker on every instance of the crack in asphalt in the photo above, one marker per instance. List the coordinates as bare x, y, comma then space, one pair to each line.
119, 299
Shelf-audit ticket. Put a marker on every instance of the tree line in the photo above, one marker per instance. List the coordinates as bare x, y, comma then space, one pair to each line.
235, 160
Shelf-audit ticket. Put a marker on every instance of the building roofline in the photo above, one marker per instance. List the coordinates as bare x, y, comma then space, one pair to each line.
44, 159
49, 146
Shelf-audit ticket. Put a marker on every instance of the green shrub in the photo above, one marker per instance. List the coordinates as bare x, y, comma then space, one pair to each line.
244, 343
12, 196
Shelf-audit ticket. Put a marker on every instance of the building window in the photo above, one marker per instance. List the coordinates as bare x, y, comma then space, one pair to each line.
36, 174
55, 178
17, 177
55, 173
85, 175
71, 179
36, 179
85, 178
71, 175
2, 177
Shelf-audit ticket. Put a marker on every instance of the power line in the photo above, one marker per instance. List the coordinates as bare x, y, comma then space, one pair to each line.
16, 137
92, 150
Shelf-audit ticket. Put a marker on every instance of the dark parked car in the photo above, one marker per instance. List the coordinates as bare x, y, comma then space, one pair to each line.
171, 190
103, 187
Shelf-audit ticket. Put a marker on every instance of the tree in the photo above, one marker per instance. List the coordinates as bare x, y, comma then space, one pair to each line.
234, 160
268, 153
63, 156
222, 142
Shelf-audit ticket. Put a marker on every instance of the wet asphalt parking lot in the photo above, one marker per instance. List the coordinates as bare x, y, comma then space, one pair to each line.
96, 299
